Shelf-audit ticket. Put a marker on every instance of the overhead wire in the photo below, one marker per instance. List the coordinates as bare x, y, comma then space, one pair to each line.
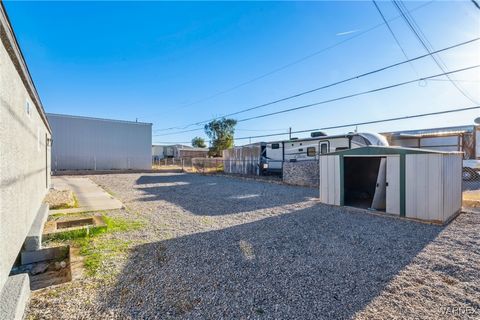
410, 21
394, 36
368, 122
328, 85
354, 124
291, 64
338, 98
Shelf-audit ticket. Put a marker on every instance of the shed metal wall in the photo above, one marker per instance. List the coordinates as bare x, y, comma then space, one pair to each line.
424, 186
433, 186
329, 182
452, 185
81, 143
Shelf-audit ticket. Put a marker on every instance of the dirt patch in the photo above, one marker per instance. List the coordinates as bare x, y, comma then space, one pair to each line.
60, 199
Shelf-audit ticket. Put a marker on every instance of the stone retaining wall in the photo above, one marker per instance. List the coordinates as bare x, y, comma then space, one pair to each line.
301, 173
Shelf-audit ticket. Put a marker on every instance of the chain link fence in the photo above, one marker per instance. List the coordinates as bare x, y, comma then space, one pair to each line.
471, 187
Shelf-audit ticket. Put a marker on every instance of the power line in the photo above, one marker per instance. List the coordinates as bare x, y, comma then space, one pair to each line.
476, 4
367, 122
393, 35
356, 94
341, 98
328, 85
438, 61
353, 124
292, 63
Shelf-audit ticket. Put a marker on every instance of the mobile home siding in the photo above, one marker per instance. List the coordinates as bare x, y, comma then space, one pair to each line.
24, 153
81, 143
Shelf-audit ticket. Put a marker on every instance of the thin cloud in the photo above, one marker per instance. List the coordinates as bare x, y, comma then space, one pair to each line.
347, 32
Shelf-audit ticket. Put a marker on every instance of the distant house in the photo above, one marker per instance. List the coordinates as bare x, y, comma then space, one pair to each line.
24, 155
84, 143
177, 151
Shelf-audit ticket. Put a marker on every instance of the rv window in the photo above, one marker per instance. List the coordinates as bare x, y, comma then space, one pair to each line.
311, 152
360, 140
323, 148
275, 145
341, 148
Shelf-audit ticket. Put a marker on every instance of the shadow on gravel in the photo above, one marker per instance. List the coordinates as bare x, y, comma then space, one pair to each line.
214, 195
316, 263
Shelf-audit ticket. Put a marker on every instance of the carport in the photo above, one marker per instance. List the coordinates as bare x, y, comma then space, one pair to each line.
412, 183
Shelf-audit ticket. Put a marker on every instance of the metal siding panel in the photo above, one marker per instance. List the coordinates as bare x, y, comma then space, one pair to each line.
424, 186
452, 191
329, 189
90, 143
393, 188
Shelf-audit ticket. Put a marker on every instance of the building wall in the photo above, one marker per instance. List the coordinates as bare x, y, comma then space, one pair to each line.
24, 154
301, 173
81, 143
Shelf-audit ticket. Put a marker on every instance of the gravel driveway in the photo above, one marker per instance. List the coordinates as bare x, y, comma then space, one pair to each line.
219, 247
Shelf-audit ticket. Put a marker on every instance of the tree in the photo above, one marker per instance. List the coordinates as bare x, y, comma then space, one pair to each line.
198, 142
221, 134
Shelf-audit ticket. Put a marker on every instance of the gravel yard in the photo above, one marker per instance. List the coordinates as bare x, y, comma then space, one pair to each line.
220, 247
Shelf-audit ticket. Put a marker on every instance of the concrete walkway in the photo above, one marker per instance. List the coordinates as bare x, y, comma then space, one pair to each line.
89, 195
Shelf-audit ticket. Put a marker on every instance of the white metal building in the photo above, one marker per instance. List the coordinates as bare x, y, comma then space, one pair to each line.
83, 143
413, 183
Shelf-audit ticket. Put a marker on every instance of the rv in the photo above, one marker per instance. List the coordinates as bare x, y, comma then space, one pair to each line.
273, 154
465, 139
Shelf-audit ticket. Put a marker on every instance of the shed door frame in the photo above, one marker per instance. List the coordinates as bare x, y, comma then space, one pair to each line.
394, 187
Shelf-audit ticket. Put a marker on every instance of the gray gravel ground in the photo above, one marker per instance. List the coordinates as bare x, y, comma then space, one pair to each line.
220, 247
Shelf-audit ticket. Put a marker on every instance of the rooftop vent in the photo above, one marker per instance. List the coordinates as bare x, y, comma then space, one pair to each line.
318, 134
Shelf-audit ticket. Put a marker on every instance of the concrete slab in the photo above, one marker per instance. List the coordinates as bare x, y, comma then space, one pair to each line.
14, 297
89, 195
33, 241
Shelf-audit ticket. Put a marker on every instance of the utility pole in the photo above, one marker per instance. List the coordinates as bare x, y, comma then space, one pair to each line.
290, 133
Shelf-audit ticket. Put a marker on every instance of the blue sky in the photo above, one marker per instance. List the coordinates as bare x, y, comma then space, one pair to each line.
166, 62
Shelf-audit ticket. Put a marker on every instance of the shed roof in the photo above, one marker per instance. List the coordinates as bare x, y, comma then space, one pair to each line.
379, 150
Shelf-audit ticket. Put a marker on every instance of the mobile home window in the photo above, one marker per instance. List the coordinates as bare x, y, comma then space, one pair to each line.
275, 146
323, 148
311, 151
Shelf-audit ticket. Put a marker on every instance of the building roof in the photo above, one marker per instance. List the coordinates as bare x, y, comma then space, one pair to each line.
432, 131
7, 36
95, 119
379, 150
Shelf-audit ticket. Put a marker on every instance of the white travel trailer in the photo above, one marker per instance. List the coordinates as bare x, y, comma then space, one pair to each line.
275, 153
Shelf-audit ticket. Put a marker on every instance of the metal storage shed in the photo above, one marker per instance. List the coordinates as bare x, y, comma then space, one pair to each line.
413, 183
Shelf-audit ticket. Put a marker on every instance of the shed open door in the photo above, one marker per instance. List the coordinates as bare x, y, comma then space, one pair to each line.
393, 184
